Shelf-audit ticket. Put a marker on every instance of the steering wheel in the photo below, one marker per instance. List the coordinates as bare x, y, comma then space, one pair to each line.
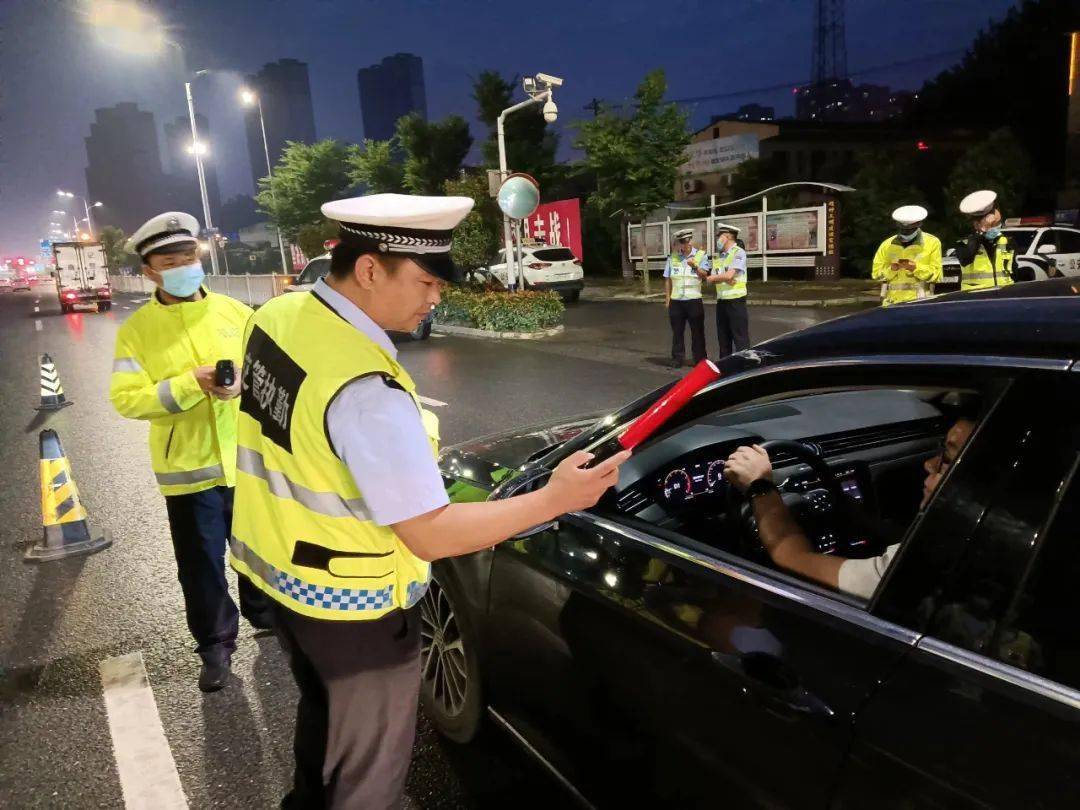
808, 454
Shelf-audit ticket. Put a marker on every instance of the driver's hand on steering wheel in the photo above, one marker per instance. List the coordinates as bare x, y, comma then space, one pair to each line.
746, 465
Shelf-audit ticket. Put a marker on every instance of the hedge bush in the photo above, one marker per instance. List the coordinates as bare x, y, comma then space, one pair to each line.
499, 311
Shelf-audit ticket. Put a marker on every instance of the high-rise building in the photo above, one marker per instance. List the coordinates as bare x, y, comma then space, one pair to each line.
389, 90
180, 165
123, 166
285, 93
842, 101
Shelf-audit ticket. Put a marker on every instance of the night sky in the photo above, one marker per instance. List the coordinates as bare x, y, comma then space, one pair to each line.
54, 71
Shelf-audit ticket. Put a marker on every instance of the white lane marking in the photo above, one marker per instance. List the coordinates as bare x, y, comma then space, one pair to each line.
37, 309
144, 761
437, 336
434, 403
125, 307
37, 325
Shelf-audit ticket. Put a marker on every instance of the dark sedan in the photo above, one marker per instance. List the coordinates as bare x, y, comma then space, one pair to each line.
649, 652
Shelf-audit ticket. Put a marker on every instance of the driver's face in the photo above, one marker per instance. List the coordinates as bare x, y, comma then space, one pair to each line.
938, 465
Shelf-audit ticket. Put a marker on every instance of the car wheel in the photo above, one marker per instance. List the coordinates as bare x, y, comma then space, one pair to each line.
572, 296
104, 306
423, 331
450, 689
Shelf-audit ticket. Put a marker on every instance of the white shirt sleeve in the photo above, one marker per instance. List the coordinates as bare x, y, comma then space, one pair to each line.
377, 431
861, 577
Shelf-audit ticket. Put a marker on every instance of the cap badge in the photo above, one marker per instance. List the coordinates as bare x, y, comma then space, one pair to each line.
173, 224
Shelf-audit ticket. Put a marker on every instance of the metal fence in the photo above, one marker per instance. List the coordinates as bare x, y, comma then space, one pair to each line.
253, 290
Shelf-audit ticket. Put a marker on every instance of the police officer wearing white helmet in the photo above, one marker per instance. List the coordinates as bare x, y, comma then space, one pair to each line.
340, 506
909, 263
986, 256
165, 373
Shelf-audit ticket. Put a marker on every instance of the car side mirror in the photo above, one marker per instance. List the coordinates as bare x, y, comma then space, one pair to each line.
1046, 250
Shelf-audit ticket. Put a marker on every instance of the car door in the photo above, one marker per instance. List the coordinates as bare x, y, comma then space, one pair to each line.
985, 711
1066, 256
646, 666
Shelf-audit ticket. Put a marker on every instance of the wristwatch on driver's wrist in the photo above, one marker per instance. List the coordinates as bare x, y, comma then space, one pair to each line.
761, 486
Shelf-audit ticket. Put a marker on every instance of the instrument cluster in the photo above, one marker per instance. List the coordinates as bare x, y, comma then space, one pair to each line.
694, 480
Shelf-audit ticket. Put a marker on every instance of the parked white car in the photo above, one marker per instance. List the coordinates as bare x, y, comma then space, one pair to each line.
1041, 253
547, 267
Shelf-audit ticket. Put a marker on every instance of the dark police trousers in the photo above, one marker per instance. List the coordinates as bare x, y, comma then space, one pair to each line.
359, 688
732, 326
200, 524
681, 313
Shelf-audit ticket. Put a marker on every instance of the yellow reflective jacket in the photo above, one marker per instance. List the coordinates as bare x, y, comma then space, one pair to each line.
908, 285
192, 435
302, 531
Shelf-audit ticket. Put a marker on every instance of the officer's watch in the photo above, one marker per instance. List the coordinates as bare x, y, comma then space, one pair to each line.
761, 486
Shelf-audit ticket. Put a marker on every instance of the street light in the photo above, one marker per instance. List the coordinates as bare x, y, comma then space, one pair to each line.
540, 90
249, 97
138, 31
86, 207
200, 148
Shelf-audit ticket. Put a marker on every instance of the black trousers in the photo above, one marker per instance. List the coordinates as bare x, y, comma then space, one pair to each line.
359, 685
200, 524
732, 326
681, 313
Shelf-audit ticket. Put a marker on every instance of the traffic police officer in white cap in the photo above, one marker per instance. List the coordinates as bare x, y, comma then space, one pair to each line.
986, 256
340, 506
164, 372
909, 263
685, 269
729, 276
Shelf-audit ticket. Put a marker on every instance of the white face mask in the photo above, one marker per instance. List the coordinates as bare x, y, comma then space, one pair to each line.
910, 237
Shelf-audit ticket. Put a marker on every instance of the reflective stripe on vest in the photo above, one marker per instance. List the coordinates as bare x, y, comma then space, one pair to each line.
190, 476
727, 292
685, 282
981, 274
301, 530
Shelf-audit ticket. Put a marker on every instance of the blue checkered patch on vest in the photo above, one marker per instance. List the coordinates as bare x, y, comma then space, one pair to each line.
414, 592
323, 596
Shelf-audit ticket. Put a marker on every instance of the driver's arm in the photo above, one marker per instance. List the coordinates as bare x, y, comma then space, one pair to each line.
780, 534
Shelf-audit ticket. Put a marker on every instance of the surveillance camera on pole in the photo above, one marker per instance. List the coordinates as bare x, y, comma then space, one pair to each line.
550, 81
551, 112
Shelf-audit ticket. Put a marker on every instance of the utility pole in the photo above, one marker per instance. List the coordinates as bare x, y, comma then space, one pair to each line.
595, 106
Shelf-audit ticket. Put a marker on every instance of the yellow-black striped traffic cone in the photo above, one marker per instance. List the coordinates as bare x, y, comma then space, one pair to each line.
52, 392
66, 529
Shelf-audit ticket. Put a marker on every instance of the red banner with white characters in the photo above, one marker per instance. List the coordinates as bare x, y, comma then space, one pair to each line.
556, 223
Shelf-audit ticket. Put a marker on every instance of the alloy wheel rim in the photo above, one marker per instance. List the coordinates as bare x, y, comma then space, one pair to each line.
442, 652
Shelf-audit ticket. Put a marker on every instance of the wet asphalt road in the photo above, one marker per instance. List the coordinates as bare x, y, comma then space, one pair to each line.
59, 620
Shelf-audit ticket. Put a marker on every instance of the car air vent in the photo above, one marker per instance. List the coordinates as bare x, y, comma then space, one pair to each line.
853, 441
631, 501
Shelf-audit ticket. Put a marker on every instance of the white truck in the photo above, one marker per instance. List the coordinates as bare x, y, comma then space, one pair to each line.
82, 276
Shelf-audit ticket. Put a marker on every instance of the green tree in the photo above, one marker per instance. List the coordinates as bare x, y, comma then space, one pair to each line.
635, 158
377, 167
530, 144
1000, 163
114, 242
307, 176
882, 184
433, 151
310, 238
476, 239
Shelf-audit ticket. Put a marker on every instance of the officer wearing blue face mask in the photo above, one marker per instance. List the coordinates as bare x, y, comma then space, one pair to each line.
986, 255
166, 372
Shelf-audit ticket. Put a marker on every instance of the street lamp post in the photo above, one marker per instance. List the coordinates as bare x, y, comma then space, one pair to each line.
86, 208
195, 144
540, 91
249, 97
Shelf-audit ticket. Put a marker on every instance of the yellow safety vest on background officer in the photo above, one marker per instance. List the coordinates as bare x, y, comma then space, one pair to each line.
685, 282
721, 264
300, 530
979, 270
908, 264
192, 435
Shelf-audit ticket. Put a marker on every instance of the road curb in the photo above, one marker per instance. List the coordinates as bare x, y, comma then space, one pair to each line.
468, 331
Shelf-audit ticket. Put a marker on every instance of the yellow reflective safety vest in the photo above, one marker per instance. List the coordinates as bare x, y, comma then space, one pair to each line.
721, 264
192, 435
301, 530
899, 286
981, 274
685, 283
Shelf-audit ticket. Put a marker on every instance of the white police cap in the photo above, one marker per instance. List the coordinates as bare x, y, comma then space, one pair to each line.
411, 226
684, 233
170, 228
724, 227
909, 214
979, 203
